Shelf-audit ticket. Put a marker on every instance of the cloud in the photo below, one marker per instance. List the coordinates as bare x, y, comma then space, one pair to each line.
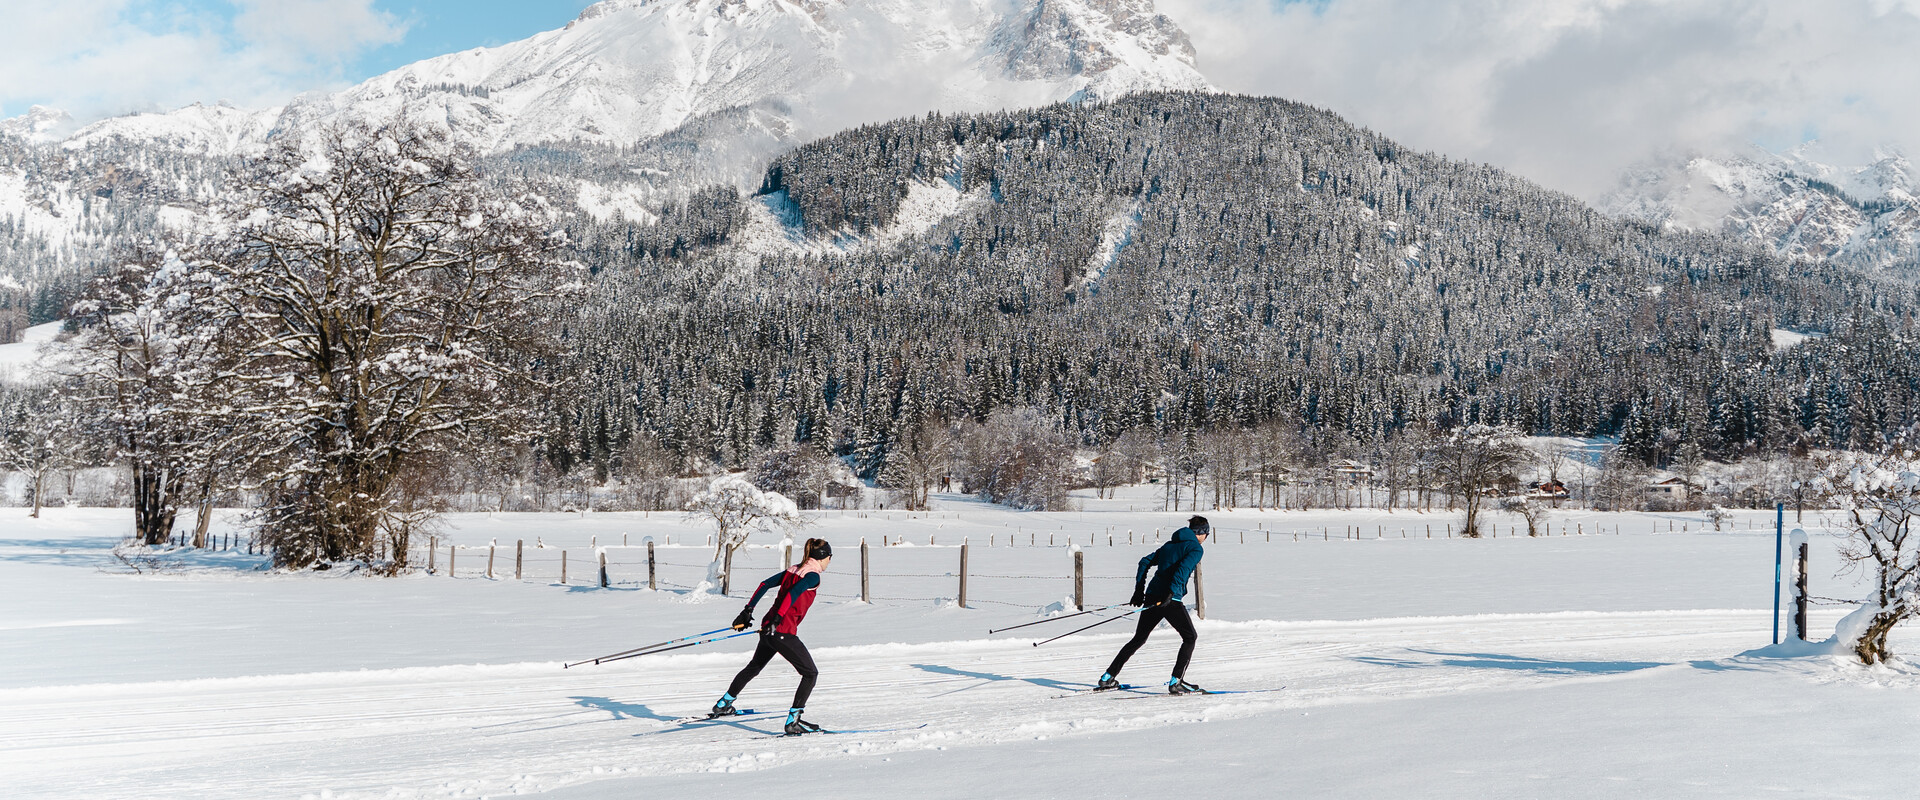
96, 58
1571, 92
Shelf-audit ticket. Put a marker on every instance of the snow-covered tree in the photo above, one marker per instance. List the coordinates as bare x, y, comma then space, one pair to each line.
127, 370
37, 436
1018, 458
737, 509
388, 307
1475, 459
1880, 496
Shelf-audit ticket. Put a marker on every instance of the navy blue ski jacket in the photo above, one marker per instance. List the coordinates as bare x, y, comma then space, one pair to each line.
1176, 560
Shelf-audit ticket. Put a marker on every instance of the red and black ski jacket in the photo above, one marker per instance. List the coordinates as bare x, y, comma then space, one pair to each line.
796, 590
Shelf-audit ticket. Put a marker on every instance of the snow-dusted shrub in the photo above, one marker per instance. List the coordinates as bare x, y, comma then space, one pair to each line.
1530, 511
1880, 496
737, 508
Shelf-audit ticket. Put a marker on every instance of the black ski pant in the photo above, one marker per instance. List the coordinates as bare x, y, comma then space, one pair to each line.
1175, 613
789, 648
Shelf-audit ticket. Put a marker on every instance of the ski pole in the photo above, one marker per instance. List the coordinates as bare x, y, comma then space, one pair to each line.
677, 646
1089, 627
1058, 618
644, 647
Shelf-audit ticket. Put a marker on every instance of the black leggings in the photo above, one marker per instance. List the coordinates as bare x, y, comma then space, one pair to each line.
1176, 615
789, 648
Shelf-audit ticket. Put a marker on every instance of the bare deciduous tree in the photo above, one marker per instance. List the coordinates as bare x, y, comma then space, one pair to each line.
1880, 497
389, 307
1019, 458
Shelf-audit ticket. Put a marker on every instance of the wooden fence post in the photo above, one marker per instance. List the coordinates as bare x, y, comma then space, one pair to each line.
786, 562
726, 571
1800, 591
864, 596
519, 556
963, 572
650, 568
563, 568
1079, 581
603, 569
1199, 593
433, 553
452, 550
490, 549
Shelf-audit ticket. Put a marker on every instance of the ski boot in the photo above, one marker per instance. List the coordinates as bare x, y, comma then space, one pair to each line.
723, 708
1181, 686
1107, 682
797, 726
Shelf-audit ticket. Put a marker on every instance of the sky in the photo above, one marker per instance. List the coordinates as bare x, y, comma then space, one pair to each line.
1573, 92
1567, 92
95, 58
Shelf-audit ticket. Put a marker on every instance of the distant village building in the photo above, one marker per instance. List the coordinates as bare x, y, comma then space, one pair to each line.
1351, 472
1552, 491
1674, 491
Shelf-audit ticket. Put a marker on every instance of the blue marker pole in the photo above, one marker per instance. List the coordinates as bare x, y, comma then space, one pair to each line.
1779, 539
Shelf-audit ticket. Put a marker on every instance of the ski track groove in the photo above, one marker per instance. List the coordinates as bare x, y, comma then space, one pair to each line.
478, 735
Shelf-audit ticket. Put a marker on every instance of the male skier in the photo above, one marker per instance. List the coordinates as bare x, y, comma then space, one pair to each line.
1174, 561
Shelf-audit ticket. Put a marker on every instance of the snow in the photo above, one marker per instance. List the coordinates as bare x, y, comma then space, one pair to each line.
1595, 665
1784, 339
623, 201
19, 360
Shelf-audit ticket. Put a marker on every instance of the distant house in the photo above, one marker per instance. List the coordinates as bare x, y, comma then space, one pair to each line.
1674, 489
1550, 490
1350, 471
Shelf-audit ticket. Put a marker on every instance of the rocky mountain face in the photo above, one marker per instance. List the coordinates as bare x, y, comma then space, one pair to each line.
1866, 216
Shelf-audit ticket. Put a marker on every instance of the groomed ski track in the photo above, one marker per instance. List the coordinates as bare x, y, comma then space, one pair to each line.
466, 731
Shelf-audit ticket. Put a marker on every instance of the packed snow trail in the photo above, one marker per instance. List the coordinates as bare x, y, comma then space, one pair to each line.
458, 731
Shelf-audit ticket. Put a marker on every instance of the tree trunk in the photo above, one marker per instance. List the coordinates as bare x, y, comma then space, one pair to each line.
1872, 647
205, 515
152, 518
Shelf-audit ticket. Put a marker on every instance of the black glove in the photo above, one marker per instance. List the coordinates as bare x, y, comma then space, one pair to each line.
1139, 596
745, 620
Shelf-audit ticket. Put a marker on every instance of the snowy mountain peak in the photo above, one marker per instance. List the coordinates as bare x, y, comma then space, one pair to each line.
39, 124
1791, 202
626, 71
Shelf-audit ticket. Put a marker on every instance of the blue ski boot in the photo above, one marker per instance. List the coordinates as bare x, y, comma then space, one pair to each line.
723, 708
1181, 686
797, 726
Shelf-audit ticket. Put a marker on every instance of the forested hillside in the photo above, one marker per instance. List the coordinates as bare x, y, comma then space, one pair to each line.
1183, 262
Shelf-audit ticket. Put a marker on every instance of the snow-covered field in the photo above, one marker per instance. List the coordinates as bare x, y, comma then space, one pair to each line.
1568, 666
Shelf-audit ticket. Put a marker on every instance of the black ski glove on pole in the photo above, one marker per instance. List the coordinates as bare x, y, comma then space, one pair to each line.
1160, 599
1139, 595
745, 620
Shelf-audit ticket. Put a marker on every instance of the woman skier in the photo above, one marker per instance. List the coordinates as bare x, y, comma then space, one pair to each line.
1174, 561
778, 634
